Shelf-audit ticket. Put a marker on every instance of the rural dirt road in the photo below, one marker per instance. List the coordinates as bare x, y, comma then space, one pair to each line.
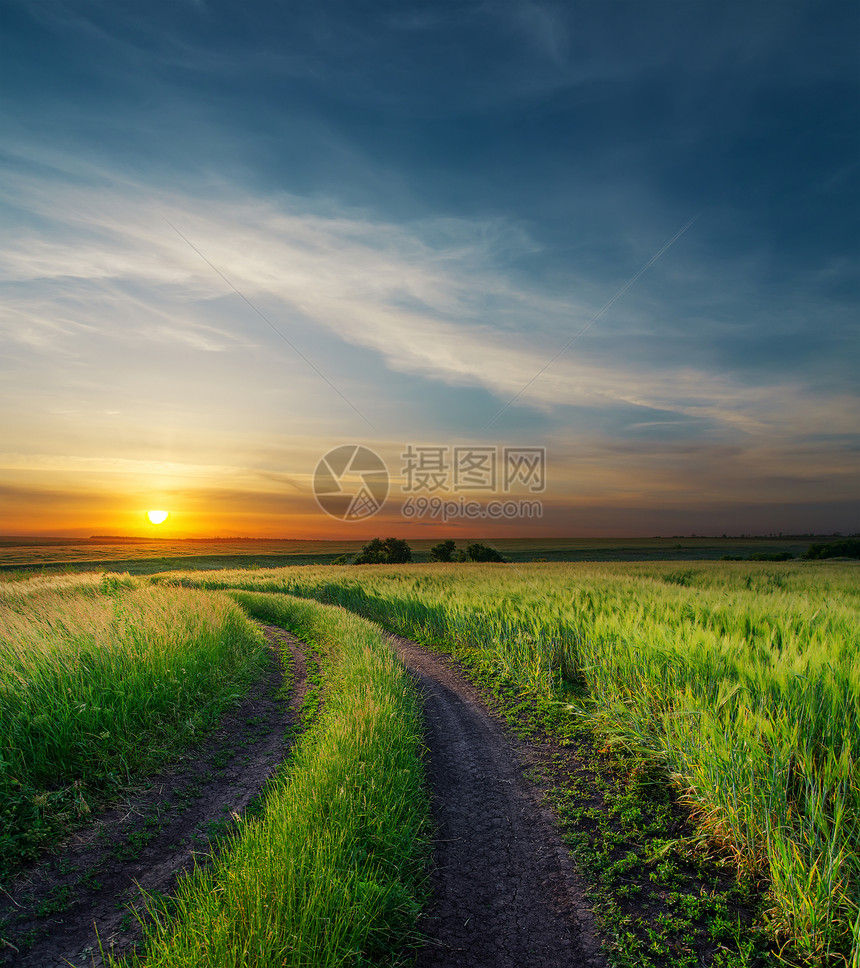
58, 909
506, 893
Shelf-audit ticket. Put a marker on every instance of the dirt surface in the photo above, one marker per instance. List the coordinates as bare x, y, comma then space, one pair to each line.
506, 892
58, 909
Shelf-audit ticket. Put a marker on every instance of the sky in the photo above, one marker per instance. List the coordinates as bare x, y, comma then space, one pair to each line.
236, 236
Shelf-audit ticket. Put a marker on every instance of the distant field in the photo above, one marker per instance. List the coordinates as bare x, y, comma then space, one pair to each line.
149, 556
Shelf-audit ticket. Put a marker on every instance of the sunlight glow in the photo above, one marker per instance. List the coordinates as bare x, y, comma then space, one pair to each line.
157, 517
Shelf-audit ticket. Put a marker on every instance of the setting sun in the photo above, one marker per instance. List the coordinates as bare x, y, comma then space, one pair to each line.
157, 517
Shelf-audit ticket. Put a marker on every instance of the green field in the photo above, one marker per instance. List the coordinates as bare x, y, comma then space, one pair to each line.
100, 679
742, 680
103, 679
738, 681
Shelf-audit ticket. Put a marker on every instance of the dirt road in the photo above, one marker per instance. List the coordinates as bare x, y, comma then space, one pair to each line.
506, 893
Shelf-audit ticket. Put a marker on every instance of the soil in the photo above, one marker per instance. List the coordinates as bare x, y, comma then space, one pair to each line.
506, 893
86, 890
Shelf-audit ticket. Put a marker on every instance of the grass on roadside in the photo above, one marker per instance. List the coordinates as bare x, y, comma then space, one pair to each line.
332, 870
101, 680
663, 898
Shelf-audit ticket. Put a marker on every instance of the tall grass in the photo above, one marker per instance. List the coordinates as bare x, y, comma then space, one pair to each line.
744, 680
331, 872
99, 680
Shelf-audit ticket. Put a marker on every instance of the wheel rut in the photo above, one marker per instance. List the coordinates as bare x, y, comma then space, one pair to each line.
57, 910
506, 893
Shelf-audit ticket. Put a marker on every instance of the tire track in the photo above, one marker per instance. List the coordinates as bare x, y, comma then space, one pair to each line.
506, 892
154, 837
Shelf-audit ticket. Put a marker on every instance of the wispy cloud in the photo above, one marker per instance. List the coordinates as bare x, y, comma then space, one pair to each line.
433, 298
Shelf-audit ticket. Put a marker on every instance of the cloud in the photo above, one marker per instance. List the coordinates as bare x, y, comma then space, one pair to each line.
432, 298
65, 464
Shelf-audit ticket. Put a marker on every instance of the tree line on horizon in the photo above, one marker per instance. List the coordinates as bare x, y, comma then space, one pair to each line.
396, 551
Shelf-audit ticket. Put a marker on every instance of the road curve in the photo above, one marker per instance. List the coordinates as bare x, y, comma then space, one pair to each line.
506, 893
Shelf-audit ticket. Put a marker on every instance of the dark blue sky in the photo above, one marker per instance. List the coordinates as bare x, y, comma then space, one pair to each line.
429, 200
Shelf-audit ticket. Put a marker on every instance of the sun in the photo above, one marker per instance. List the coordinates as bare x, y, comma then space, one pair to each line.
157, 517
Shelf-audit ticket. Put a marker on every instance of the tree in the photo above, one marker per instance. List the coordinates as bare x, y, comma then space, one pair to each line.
482, 552
444, 551
448, 551
849, 548
391, 551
